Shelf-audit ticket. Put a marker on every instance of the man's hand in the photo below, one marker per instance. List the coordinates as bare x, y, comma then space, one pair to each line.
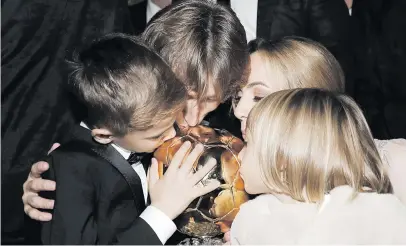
177, 189
35, 184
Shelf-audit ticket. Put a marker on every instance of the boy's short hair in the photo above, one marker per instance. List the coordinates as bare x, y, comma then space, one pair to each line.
124, 84
203, 42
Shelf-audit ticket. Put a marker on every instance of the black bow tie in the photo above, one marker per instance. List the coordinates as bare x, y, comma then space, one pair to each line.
135, 158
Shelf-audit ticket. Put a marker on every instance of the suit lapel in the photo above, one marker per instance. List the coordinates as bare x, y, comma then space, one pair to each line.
111, 155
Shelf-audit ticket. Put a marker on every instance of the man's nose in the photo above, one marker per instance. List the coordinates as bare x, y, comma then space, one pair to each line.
192, 115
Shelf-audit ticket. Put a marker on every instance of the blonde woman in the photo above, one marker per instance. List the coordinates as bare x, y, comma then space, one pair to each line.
312, 156
301, 63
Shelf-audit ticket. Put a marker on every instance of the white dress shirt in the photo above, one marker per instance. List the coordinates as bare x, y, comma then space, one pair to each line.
246, 11
152, 9
162, 225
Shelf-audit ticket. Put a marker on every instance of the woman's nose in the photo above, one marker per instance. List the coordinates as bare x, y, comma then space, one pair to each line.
240, 111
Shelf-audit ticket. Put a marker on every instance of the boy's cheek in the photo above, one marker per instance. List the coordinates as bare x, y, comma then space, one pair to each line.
149, 147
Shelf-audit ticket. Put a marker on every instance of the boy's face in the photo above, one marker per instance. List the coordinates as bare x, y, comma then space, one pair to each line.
195, 110
149, 140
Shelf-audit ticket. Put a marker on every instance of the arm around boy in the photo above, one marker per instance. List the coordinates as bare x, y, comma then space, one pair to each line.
132, 99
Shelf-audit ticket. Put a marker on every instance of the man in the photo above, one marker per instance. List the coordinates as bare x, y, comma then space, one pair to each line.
211, 62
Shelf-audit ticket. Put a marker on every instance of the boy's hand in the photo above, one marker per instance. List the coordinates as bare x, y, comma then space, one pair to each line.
35, 184
177, 189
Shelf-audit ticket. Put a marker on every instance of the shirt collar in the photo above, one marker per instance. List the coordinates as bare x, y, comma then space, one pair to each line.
125, 153
152, 9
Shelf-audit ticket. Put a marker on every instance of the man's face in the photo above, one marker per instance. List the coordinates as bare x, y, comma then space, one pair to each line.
149, 140
196, 110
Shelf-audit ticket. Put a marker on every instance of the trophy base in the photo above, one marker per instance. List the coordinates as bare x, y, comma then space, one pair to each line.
202, 241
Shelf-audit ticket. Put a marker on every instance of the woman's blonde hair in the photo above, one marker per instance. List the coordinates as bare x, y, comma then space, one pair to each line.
301, 62
309, 141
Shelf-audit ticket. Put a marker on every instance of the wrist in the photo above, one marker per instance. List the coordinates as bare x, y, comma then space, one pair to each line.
161, 224
165, 209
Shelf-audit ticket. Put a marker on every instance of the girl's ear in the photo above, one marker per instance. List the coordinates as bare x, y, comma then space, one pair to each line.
102, 135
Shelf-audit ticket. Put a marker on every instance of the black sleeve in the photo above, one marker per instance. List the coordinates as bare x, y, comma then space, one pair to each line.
78, 215
329, 24
73, 220
139, 233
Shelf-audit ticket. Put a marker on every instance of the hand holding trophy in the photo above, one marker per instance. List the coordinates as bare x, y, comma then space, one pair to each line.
209, 215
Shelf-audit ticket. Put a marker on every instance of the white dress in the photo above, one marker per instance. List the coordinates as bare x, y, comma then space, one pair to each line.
393, 154
370, 219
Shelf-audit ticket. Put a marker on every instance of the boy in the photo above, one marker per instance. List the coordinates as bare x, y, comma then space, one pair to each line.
132, 98
212, 62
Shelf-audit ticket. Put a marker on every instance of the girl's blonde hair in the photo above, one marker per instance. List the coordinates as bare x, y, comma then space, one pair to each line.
309, 141
301, 63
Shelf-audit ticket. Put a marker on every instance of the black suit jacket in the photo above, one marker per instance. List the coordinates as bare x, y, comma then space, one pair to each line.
324, 21
380, 48
138, 13
98, 197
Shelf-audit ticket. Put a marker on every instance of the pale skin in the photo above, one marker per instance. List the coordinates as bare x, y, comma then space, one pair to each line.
261, 83
193, 114
258, 86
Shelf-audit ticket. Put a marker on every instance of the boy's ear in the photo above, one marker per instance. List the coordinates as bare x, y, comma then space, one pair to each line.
102, 135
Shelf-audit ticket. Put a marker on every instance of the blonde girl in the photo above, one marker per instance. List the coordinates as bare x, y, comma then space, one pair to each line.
312, 156
295, 62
